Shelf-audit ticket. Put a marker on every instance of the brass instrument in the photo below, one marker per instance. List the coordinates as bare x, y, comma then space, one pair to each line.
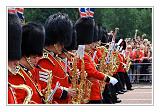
29, 91
87, 91
84, 86
80, 95
102, 62
74, 81
128, 63
115, 62
102, 67
75, 78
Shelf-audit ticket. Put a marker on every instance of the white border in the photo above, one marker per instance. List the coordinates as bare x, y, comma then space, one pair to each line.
76, 3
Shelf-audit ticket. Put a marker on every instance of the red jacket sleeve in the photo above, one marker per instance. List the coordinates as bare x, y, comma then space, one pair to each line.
90, 69
48, 65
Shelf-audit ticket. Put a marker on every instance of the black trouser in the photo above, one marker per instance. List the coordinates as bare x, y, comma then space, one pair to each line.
118, 86
95, 102
113, 93
121, 76
127, 81
107, 95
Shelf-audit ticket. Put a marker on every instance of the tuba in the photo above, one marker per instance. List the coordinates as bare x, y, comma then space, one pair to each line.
29, 91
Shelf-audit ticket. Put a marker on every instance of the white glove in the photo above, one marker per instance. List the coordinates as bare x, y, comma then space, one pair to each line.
113, 80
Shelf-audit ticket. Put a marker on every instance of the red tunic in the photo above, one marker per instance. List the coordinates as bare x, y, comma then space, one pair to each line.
122, 60
93, 75
58, 75
98, 56
23, 78
11, 96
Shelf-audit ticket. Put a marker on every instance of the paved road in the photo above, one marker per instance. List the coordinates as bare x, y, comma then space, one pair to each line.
142, 94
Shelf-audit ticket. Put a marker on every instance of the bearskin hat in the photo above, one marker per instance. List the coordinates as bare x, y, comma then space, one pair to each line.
73, 45
104, 35
95, 37
100, 32
85, 30
58, 29
33, 38
14, 37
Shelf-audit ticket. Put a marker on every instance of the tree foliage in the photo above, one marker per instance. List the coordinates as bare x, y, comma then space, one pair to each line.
126, 19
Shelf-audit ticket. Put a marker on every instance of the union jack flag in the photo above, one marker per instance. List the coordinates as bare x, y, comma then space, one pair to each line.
91, 12
18, 11
12, 10
86, 12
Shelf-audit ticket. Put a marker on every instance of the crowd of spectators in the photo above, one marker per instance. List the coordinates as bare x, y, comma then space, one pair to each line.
141, 56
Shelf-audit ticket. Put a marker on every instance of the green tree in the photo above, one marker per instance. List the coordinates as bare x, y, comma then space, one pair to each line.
127, 19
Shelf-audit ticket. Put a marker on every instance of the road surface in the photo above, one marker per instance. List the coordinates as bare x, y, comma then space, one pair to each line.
142, 94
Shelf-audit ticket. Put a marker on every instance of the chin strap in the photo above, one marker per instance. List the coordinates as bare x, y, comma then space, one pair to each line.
29, 61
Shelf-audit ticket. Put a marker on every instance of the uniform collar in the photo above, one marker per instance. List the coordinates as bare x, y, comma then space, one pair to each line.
24, 68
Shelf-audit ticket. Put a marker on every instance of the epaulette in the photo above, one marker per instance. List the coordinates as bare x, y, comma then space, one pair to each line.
18, 71
46, 56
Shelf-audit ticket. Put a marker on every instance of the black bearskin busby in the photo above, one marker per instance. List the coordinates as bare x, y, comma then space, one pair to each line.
100, 32
73, 45
33, 38
58, 29
104, 36
14, 37
85, 30
95, 37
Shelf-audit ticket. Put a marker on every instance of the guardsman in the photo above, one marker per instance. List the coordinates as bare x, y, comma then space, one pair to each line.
33, 38
85, 29
95, 52
18, 91
125, 76
59, 30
